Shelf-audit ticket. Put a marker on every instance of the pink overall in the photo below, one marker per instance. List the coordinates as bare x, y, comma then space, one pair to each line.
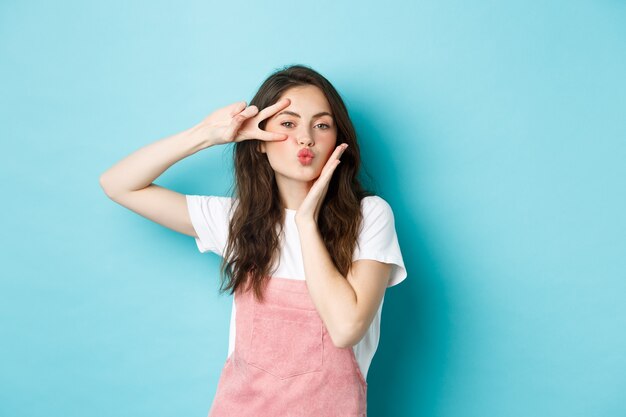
284, 363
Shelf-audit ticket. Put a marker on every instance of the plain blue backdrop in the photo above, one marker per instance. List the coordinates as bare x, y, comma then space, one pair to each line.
496, 131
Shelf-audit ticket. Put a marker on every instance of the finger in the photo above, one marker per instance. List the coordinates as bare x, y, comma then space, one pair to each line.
339, 150
274, 108
248, 112
320, 187
237, 107
243, 115
331, 169
334, 160
238, 120
328, 171
270, 136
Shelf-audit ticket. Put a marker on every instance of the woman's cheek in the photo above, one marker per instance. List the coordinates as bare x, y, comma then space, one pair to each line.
329, 153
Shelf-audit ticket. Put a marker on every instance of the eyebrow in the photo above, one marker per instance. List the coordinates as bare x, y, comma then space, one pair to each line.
315, 116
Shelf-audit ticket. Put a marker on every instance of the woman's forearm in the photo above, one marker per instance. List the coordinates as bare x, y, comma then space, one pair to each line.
333, 296
142, 167
233, 123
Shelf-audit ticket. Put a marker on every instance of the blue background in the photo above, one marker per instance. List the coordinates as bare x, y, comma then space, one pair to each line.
495, 130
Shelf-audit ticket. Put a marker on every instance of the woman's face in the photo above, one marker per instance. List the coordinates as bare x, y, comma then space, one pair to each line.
309, 124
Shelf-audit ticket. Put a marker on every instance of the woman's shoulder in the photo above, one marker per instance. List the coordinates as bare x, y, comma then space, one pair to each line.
374, 203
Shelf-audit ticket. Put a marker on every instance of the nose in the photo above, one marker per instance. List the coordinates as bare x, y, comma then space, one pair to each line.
305, 140
305, 137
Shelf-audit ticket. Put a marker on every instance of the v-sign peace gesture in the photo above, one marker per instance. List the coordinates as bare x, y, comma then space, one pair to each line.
238, 122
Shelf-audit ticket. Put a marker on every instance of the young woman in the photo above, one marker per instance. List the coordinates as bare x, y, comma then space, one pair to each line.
307, 253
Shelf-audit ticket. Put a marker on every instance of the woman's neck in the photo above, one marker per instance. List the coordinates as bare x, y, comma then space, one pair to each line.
292, 192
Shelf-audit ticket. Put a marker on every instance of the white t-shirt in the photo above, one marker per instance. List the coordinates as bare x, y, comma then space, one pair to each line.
210, 216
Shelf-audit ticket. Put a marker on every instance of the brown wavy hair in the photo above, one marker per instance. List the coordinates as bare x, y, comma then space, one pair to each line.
258, 217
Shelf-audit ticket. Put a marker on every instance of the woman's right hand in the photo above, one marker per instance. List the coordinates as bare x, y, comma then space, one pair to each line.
238, 122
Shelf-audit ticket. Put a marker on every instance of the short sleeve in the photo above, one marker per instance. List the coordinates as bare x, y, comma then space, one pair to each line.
378, 239
210, 217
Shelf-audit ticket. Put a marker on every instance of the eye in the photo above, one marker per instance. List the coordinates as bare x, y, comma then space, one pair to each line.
287, 124
323, 126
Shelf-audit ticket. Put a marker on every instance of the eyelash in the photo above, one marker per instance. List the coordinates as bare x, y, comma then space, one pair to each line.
324, 124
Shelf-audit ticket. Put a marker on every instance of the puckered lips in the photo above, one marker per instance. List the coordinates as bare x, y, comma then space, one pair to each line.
305, 156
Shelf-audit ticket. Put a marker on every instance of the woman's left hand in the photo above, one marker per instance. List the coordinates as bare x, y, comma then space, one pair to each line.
309, 209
